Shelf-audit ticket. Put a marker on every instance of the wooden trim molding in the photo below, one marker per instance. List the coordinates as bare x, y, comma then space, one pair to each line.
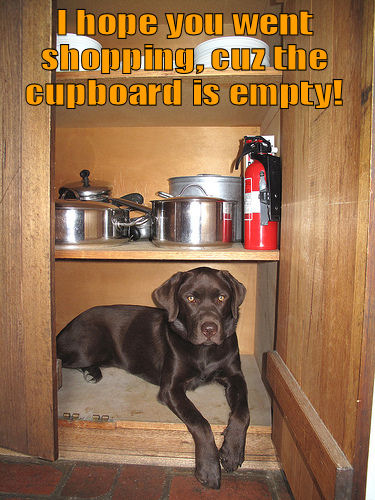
152, 443
326, 462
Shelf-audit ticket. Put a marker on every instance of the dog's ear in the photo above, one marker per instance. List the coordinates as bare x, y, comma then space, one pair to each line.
165, 296
239, 292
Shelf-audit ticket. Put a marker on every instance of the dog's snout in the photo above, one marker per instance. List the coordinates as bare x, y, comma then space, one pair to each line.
209, 329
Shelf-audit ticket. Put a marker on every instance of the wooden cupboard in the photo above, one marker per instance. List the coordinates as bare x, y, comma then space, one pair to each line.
318, 289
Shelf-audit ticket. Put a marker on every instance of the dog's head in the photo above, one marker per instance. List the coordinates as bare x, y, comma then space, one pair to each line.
202, 304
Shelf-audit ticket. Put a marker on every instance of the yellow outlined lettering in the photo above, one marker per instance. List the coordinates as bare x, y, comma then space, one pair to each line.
194, 24
257, 64
262, 94
184, 60
131, 59
293, 59
172, 93
289, 95
127, 25
69, 58
207, 94
174, 24
90, 59
107, 24
96, 93
75, 95
245, 24
118, 94
33, 91
270, 24
148, 24
220, 59
318, 59
110, 60
50, 58
85, 23
238, 94
61, 21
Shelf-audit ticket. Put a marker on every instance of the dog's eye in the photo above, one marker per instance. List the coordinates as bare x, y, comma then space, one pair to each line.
221, 298
190, 298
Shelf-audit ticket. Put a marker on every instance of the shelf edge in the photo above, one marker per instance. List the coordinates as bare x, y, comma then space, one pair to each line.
165, 255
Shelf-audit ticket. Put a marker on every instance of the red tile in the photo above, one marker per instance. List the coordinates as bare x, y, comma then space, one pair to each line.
90, 480
232, 488
28, 479
282, 488
140, 482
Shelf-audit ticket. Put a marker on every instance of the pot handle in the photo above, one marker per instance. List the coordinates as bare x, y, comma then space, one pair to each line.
192, 185
130, 204
137, 221
63, 192
162, 194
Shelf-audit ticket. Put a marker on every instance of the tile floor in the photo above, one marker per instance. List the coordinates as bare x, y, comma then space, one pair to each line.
36, 479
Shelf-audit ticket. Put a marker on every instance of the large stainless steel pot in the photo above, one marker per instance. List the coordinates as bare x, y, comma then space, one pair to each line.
191, 222
79, 222
218, 186
194, 222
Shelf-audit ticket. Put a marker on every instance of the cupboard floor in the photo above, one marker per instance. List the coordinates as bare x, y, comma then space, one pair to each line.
125, 397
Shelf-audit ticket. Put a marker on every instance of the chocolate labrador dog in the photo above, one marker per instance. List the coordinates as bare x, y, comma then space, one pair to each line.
188, 341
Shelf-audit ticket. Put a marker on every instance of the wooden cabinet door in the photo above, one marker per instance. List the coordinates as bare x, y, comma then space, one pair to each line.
27, 382
321, 373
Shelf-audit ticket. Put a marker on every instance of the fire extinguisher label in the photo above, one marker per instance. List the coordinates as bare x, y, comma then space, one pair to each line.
252, 203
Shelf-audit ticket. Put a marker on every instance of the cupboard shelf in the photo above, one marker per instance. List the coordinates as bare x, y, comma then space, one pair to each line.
269, 75
225, 113
144, 250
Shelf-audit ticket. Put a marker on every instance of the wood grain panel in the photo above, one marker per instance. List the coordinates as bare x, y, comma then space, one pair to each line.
327, 462
27, 389
80, 285
299, 475
323, 235
319, 317
367, 158
145, 250
141, 159
130, 440
265, 318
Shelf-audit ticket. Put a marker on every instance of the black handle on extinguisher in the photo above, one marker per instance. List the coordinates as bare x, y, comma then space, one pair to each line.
254, 145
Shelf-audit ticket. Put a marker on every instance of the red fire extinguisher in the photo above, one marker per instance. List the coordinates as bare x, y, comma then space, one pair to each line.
256, 235
262, 192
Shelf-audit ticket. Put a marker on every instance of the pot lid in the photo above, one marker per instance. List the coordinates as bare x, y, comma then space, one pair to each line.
181, 199
85, 205
198, 177
87, 190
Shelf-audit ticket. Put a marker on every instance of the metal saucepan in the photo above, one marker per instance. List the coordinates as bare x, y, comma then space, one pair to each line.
94, 191
78, 222
226, 187
192, 222
85, 213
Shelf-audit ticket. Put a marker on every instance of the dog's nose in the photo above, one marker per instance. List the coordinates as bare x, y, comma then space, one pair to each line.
209, 329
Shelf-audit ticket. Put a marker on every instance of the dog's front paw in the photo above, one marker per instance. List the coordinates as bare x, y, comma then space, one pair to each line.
208, 473
231, 454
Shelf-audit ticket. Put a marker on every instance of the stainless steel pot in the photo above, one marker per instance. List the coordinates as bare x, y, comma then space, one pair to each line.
79, 222
85, 189
192, 222
218, 186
